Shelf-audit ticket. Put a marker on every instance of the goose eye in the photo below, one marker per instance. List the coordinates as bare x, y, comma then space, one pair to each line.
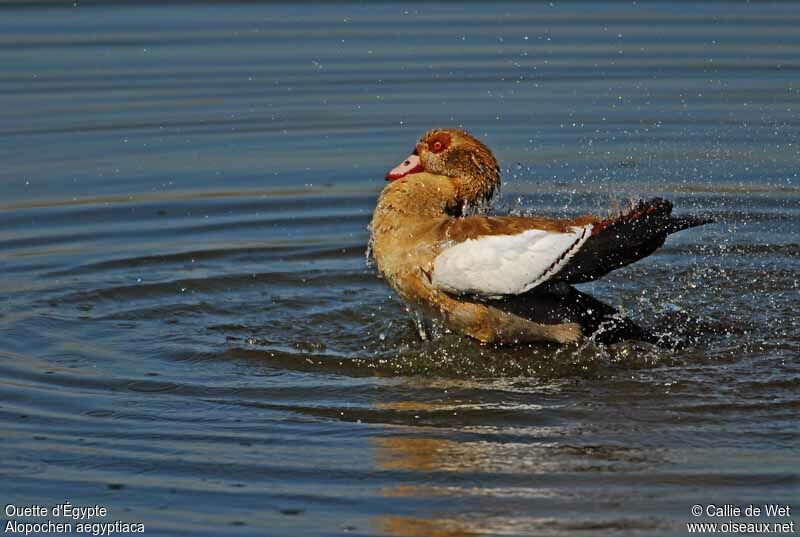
439, 142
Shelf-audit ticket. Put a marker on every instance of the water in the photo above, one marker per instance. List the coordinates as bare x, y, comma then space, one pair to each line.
190, 336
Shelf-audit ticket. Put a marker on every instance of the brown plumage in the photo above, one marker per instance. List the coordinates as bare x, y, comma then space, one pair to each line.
409, 228
421, 212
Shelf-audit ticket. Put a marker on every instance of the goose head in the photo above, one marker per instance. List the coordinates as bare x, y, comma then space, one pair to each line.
458, 155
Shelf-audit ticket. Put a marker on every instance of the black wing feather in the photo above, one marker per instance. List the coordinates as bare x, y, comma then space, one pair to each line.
624, 240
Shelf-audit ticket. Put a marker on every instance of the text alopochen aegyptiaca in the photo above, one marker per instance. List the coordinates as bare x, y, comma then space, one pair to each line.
492, 277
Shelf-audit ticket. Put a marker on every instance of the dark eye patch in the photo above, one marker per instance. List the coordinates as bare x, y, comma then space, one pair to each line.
438, 142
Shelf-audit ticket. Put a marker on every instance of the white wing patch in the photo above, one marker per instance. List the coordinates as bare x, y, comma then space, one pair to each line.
506, 264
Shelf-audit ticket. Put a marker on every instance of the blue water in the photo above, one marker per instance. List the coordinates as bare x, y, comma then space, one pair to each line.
190, 334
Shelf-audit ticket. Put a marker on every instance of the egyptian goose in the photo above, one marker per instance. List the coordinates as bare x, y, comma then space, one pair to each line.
499, 279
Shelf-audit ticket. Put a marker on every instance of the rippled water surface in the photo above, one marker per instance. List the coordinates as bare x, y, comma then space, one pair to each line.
190, 334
